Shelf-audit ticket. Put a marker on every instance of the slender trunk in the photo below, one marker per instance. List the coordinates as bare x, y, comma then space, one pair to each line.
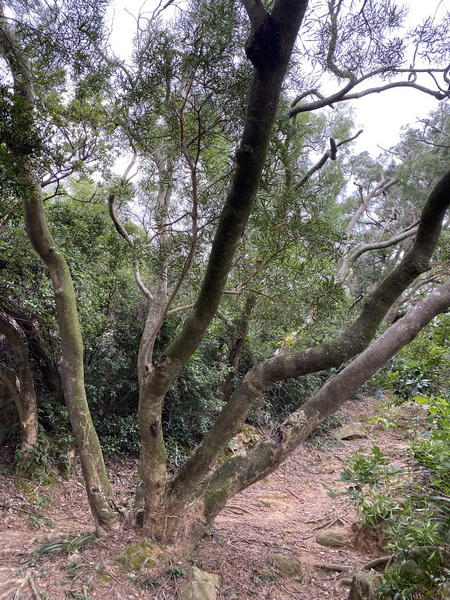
100, 494
20, 384
235, 343
99, 491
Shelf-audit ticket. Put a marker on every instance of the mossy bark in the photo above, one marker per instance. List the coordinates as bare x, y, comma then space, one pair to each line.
99, 491
331, 354
246, 468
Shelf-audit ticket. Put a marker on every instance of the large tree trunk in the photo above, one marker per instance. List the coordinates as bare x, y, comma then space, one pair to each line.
246, 468
178, 511
99, 491
269, 49
330, 354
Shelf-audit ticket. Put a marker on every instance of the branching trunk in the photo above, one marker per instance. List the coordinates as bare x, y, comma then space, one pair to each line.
98, 488
269, 49
248, 467
329, 354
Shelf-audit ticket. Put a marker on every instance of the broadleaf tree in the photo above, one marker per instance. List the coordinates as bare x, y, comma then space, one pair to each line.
202, 185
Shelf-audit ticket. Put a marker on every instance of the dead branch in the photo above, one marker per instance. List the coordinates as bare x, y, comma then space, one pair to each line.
329, 155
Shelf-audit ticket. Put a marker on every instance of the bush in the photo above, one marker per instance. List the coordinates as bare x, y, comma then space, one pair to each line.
412, 510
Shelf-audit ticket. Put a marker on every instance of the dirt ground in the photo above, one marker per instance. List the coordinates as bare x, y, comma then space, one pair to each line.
281, 514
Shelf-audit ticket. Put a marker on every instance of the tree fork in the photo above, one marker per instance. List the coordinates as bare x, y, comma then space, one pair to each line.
330, 354
267, 81
249, 467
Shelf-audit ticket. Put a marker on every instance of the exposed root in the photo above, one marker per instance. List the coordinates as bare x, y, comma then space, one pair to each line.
332, 566
376, 562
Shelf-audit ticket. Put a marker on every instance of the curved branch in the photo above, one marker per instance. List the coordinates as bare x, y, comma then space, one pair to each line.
329, 154
246, 468
123, 232
350, 261
343, 95
330, 354
331, 65
380, 188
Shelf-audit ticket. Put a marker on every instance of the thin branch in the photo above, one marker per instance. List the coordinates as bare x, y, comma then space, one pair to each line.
383, 244
343, 95
123, 232
329, 154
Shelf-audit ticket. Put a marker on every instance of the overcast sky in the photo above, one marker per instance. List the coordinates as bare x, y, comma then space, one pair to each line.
381, 115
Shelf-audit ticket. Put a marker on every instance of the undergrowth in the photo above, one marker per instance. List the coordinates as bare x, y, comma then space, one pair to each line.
411, 508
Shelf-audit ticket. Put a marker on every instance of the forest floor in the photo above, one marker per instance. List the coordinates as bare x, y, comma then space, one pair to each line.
280, 515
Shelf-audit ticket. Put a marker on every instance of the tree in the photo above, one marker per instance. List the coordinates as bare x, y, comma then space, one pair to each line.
19, 382
182, 94
194, 492
20, 147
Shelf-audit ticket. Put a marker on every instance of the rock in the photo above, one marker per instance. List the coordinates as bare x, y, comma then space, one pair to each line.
423, 554
353, 431
363, 586
331, 537
289, 566
409, 569
142, 555
196, 574
245, 439
197, 590
201, 586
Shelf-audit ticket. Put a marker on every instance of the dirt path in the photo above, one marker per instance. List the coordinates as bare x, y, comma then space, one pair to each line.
280, 515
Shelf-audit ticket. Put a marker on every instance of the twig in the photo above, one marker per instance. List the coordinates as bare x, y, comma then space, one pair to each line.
296, 496
329, 524
239, 509
327, 516
344, 581
34, 590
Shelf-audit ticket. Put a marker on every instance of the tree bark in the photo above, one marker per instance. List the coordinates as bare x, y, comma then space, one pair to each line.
248, 467
330, 354
20, 384
99, 491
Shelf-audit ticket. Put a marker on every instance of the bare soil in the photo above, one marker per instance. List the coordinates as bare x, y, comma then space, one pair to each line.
281, 514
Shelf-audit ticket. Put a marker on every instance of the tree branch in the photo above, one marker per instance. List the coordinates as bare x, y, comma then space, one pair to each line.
330, 354
343, 95
246, 468
256, 12
329, 154
123, 232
